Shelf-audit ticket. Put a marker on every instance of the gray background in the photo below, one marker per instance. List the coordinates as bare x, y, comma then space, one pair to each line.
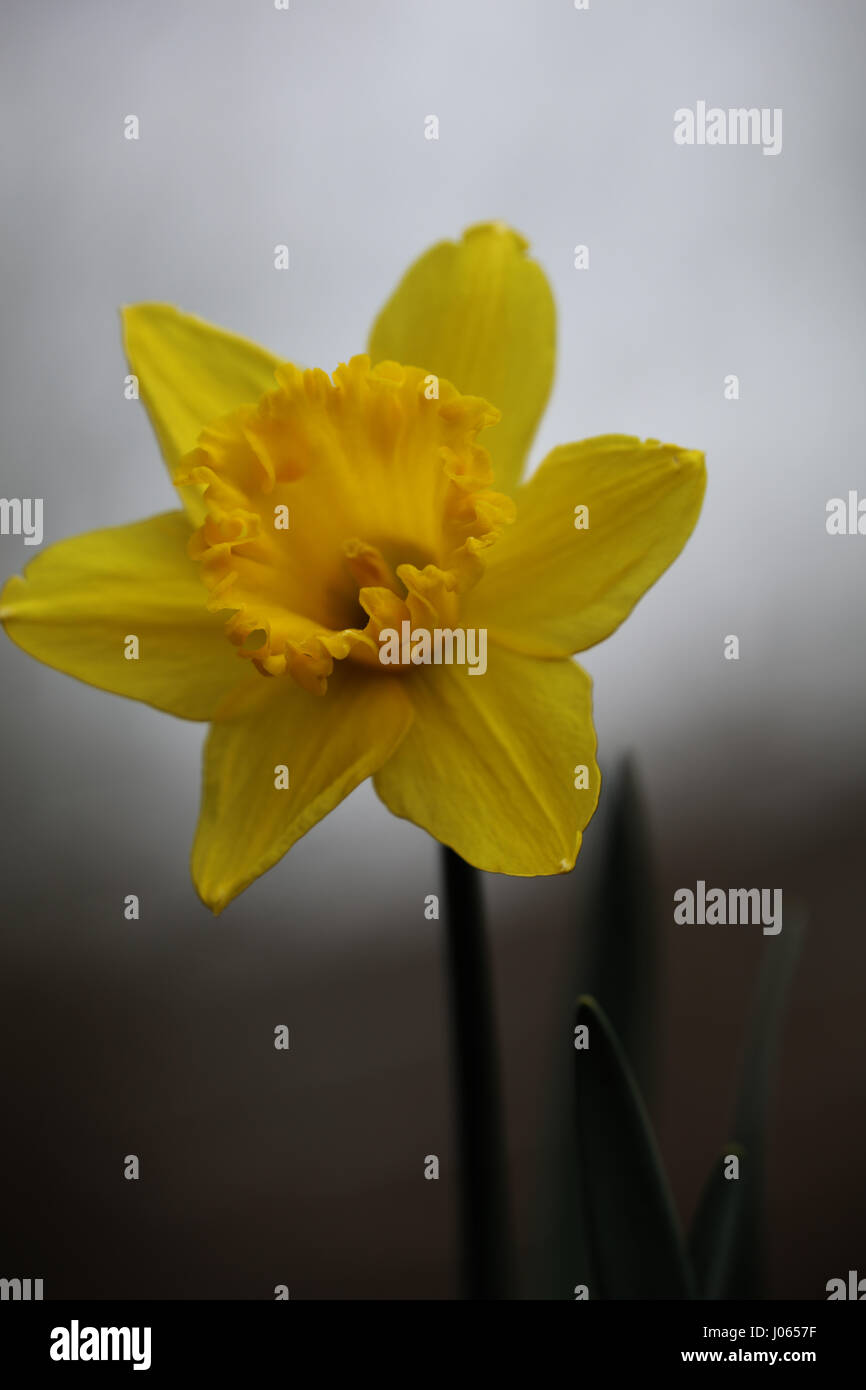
306, 127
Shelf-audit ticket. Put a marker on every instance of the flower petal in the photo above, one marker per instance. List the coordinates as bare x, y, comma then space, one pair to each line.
480, 313
551, 589
488, 766
78, 601
329, 744
189, 374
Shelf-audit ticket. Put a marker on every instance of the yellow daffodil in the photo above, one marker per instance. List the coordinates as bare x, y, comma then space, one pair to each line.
322, 514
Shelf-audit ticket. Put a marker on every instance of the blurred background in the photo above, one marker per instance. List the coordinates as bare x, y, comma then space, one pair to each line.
306, 127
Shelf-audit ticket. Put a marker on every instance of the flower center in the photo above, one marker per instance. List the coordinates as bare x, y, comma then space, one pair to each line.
341, 506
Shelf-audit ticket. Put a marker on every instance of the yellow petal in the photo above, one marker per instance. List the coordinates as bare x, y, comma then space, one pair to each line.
551, 589
488, 766
189, 373
328, 744
480, 313
79, 601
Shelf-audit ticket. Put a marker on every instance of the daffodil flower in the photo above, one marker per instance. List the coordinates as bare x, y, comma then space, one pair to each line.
319, 512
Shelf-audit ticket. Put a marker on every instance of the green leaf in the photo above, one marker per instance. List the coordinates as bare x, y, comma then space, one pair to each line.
781, 954
611, 956
619, 968
719, 1229
635, 1246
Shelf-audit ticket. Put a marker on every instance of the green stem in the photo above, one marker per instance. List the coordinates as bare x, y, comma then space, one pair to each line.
480, 1131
